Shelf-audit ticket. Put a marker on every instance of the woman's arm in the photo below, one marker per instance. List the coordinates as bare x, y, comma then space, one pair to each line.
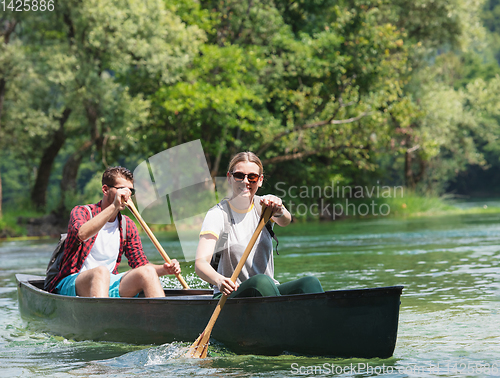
204, 270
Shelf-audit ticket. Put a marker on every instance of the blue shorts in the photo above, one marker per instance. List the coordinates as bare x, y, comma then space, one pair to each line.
67, 285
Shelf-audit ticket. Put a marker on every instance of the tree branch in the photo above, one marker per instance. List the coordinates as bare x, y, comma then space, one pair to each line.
312, 126
218, 157
297, 155
69, 23
414, 148
8, 30
302, 154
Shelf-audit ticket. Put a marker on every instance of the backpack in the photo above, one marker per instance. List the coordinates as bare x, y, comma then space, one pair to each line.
221, 244
55, 260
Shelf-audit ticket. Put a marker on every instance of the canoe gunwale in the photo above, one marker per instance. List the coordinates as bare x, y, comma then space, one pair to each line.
204, 296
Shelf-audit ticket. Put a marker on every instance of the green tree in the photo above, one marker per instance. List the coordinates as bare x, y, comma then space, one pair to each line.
437, 132
87, 52
286, 90
22, 93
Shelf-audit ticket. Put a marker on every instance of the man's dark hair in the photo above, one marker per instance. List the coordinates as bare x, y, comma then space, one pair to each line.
111, 173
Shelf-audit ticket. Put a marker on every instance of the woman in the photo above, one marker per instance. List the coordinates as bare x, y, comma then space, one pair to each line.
245, 176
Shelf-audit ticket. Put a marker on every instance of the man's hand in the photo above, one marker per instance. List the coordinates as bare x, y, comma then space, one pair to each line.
173, 268
121, 198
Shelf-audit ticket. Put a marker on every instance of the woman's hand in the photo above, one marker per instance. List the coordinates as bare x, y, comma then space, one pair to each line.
274, 203
280, 214
225, 285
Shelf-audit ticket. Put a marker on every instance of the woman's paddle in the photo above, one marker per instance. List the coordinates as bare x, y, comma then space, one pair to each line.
199, 348
158, 246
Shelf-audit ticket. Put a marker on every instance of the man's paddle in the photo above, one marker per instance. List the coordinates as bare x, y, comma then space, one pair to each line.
158, 246
199, 348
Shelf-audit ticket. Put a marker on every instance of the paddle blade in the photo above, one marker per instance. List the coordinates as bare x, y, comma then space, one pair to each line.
199, 349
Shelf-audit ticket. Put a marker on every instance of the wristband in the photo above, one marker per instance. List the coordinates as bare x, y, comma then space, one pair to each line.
282, 213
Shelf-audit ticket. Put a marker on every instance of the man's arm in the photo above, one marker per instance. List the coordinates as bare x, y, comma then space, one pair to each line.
94, 225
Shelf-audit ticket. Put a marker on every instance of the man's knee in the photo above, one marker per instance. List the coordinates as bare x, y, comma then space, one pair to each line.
147, 272
100, 271
93, 282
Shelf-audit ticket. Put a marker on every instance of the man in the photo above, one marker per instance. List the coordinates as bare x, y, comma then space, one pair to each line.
95, 245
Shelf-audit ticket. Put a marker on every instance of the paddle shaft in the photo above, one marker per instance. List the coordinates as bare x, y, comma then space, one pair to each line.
155, 241
202, 341
266, 215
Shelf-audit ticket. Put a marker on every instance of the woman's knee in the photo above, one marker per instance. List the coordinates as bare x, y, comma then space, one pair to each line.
310, 284
304, 285
261, 279
258, 285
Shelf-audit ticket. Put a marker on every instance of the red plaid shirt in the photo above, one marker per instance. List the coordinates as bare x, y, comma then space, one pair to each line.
76, 251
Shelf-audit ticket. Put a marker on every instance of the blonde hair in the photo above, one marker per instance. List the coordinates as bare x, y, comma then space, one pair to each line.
243, 157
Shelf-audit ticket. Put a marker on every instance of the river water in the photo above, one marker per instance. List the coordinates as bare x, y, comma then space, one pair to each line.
449, 320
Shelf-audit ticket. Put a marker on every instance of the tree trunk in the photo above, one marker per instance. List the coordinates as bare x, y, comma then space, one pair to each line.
39, 191
70, 173
1, 196
222, 142
412, 179
70, 170
422, 168
7, 30
409, 183
2, 97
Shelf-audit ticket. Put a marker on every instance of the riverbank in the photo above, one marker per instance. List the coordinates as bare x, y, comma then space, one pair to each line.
411, 205
27, 225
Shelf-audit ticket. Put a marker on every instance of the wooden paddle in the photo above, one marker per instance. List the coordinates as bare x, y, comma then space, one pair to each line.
158, 246
199, 348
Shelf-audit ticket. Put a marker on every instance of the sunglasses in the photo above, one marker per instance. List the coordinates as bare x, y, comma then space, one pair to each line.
240, 176
132, 190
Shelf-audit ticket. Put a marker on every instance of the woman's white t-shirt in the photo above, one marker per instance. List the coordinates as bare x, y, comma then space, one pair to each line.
260, 260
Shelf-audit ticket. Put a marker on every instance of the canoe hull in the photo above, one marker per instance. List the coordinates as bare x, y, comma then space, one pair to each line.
346, 323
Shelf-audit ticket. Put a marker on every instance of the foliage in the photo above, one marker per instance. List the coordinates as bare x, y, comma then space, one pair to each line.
353, 90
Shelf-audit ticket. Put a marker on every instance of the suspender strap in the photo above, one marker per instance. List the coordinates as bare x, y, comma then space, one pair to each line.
269, 227
124, 223
221, 244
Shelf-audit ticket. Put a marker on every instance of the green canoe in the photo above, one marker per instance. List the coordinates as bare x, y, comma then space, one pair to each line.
341, 323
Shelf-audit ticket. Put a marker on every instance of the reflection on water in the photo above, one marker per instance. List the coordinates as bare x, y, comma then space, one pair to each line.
450, 267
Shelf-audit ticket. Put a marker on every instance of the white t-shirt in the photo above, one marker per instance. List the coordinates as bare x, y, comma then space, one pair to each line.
260, 260
105, 249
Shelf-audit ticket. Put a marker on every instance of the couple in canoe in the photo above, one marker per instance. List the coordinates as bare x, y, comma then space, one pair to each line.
98, 236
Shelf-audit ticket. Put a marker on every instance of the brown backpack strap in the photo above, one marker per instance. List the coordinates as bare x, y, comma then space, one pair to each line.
221, 244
